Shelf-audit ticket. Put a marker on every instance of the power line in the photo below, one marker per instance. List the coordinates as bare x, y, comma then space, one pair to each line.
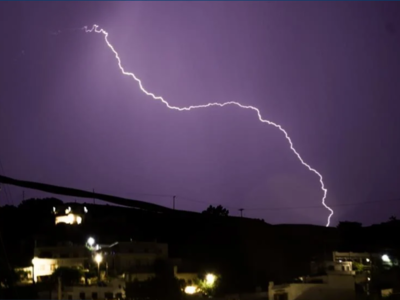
319, 206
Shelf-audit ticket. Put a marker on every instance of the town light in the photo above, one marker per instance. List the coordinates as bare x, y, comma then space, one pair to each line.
190, 290
367, 260
90, 241
210, 279
98, 258
385, 258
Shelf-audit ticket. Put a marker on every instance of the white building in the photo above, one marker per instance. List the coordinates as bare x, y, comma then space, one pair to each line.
338, 283
48, 259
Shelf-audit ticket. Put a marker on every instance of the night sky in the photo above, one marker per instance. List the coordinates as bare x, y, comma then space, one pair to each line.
328, 72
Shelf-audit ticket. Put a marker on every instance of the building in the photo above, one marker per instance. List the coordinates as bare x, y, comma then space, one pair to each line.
71, 214
47, 259
358, 257
335, 282
115, 289
131, 257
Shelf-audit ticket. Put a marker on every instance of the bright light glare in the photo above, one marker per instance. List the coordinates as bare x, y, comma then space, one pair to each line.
190, 290
78, 220
385, 258
90, 241
98, 258
210, 279
367, 260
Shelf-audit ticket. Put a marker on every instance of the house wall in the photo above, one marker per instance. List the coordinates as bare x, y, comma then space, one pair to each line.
334, 287
46, 266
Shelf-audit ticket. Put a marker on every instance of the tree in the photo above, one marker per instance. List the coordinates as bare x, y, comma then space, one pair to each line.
216, 211
208, 286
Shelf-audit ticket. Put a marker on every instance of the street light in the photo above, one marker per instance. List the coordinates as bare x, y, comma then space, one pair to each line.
385, 258
98, 258
210, 279
90, 241
190, 290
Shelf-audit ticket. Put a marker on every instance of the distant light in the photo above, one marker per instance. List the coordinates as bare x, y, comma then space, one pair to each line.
68, 210
385, 258
190, 290
78, 220
54, 209
98, 258
368, 278
71, 218
85, 209
97, 247
367, 260
90, 241
340, 260
210, 279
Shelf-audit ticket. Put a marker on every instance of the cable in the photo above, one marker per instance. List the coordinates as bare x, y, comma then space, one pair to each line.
319, 206
190, 199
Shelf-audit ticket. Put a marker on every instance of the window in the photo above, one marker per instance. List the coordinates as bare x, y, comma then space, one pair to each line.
94, 295
108, 295
82, 295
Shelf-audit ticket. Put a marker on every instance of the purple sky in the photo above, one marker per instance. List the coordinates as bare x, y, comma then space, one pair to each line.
328, 72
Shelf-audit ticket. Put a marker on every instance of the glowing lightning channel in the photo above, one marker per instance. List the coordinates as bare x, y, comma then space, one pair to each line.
96, 29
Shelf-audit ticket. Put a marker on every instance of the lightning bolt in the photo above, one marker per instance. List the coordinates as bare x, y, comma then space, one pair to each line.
96, 29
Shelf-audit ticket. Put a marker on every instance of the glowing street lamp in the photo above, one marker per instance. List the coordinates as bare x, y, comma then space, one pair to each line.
190, 290
210, 279
98, 258
90, 241
385, 258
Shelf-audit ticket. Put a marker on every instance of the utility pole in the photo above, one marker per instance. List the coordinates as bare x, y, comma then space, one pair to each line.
241, 212
23, 195
94, 200
173, 202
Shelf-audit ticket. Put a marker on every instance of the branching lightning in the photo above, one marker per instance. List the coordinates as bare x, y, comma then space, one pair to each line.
96, 29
